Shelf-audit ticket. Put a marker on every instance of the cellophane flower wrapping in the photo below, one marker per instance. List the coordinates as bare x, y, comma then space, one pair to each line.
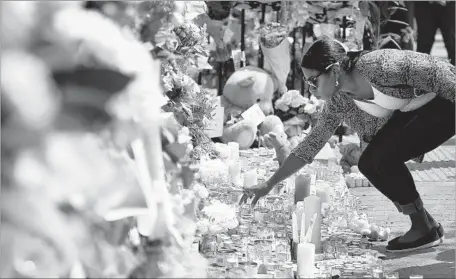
276, 50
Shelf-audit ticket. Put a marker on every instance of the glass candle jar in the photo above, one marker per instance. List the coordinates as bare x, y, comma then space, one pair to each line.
208, 245
393, 275
231, 260
251, 268
235, 272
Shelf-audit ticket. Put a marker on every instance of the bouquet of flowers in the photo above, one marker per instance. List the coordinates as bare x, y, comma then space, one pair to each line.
272, 34
217, 217
297, 111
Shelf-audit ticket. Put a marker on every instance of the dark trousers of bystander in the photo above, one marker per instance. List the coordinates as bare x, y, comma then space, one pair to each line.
429, 18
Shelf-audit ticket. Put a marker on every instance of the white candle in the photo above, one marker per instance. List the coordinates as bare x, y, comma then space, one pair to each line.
250, 178
312, 205
302, 228
234, 147
306, 260
294, 227
235, 172
302, 187
290, 184
324, 193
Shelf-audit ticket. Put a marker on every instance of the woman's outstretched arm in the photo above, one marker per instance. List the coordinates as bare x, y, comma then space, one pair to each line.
306, 151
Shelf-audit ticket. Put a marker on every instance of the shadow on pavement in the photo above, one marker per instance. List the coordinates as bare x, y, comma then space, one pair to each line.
446, 256
395, 256
439, 270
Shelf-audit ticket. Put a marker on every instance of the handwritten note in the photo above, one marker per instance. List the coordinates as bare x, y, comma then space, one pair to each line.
214, 127
254, 114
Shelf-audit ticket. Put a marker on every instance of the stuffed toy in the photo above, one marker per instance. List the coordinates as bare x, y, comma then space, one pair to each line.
249, 85
246, 87
281, 145
351, 153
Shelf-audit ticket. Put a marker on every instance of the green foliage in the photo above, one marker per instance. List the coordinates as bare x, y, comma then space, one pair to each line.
379, 14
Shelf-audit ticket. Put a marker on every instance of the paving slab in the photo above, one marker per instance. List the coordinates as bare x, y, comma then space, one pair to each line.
439, 199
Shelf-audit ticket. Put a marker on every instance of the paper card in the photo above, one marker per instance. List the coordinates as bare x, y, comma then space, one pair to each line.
237, 58
214, 127
254, 114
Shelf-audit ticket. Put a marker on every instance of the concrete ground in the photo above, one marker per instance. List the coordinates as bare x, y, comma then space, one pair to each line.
435, 180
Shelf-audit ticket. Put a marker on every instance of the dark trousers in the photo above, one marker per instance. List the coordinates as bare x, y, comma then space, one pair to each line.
405, 136
429, 18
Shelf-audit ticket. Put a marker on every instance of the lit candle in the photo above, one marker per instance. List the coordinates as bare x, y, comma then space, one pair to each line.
312, 205
290, 185
235, 172
234, 147
306, 260
302, 187
250, 178
294, 227
323, 192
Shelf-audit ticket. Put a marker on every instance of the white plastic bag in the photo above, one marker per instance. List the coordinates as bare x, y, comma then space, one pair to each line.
277, 62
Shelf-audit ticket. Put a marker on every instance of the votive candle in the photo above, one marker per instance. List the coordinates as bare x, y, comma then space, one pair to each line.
250, 178
234, 147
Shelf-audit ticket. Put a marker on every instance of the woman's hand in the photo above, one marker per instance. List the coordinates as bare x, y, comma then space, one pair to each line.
257, 191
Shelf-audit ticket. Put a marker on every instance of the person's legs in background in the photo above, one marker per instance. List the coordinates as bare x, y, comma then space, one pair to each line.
426, 21
446, 21
406, 136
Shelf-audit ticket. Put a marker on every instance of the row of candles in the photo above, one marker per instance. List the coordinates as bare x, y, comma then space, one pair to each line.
309, 195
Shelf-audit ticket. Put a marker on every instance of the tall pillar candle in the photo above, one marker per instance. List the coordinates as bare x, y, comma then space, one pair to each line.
312, 205
235, 172
250, 178
323, 191
306, 260
234, 147
302, 187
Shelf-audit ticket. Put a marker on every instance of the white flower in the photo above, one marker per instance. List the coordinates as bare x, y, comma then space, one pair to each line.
184, 135
280, 104
314, 100
287, 97
310, 109
298, 101
201, 191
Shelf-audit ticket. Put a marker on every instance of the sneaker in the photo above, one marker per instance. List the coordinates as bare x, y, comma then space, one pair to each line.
431, 239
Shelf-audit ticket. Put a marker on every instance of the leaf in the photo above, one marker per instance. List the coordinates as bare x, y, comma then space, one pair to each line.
106, 80
405, 24
388, 42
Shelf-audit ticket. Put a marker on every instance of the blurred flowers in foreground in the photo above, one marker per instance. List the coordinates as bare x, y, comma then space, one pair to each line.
84, 187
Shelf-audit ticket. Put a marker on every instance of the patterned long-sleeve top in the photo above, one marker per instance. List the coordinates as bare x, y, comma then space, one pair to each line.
397, 73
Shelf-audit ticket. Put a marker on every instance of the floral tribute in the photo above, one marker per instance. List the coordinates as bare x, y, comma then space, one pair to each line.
184, 52
272, 34
94, 180
297, 111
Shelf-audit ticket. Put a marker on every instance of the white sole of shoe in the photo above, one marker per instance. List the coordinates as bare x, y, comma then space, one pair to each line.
429, 245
